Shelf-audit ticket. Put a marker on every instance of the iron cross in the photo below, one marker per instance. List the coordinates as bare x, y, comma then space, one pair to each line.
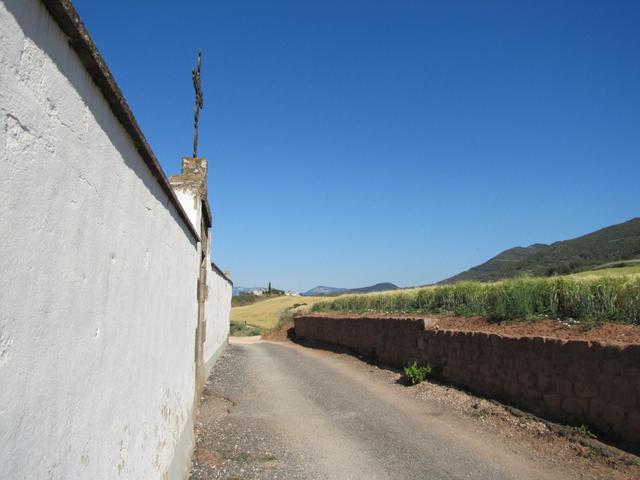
195, 74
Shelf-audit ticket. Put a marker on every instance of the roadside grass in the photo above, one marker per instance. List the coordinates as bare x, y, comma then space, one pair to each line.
267, 313
589, 299
238, 329
285, 320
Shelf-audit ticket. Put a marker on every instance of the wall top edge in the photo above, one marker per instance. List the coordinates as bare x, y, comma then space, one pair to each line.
69, 21
221, 273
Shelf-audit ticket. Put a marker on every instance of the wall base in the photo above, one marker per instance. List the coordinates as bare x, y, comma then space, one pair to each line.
181, 463
214, 358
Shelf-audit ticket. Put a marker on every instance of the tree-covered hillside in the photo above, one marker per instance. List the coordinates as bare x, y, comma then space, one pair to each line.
609, 245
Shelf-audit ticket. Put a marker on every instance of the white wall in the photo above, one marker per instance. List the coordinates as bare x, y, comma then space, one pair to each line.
98, 304
192, 208
217, 312
217, 309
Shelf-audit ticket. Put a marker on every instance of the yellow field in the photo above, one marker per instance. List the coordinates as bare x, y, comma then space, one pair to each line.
265, 314
632, 270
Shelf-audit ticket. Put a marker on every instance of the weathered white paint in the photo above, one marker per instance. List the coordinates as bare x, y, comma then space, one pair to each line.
219, 290
192, 208
98, 305
217, 312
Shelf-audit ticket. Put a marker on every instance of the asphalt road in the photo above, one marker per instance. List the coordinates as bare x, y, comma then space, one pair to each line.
282, 411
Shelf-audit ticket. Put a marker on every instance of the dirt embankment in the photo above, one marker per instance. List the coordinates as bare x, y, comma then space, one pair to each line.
282, 333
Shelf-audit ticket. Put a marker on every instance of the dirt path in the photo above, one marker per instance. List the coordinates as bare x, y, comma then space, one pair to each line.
282, 411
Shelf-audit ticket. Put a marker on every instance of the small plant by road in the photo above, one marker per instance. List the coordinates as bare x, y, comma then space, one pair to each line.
584, 430
417, 373
239, 329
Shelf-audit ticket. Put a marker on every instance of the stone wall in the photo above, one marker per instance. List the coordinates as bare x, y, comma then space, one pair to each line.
391, 341
577, 382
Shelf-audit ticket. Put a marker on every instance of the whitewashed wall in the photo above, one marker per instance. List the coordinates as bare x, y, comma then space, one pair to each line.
217, 309
98, 304
192, 208
217, 312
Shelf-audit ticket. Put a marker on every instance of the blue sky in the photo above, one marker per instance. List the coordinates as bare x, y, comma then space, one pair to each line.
353, 142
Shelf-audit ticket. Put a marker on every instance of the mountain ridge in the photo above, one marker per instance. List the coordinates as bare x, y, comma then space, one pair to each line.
323, 290
617, 242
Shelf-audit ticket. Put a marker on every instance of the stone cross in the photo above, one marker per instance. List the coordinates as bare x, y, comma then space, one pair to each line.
195, 74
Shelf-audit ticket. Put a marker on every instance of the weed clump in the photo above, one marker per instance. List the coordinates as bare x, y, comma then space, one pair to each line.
243, 330
417, 373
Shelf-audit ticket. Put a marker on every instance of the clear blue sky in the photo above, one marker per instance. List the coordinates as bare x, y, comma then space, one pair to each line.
357, 141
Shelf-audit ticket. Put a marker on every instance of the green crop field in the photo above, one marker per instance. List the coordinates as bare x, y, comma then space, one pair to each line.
266, 314
596, 297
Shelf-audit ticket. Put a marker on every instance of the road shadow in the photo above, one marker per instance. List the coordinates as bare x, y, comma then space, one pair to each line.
602, 443
340, 349
368, 359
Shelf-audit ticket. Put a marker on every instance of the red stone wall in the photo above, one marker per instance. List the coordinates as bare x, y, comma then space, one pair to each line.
576, 381
367, 336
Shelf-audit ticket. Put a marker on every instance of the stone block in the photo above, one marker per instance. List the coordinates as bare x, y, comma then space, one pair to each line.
544, 382
563, 386
512, 389
631, 431
507, 374
535, 365
578, 372
485, 346
495, 386
555, 345
575, 407
534, 397
495, 361
623, 393
606, 350
517, 363
614, 366
615, 416
597, 409
632, 354
527, 379
578, 348
496, 340
632, 373
553, 401
585, 390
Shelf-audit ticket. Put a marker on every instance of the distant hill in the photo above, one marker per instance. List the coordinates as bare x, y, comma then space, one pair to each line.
321, 290
609, 245
378, 287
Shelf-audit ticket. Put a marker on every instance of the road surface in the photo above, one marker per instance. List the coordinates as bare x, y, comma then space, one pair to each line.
284, 411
